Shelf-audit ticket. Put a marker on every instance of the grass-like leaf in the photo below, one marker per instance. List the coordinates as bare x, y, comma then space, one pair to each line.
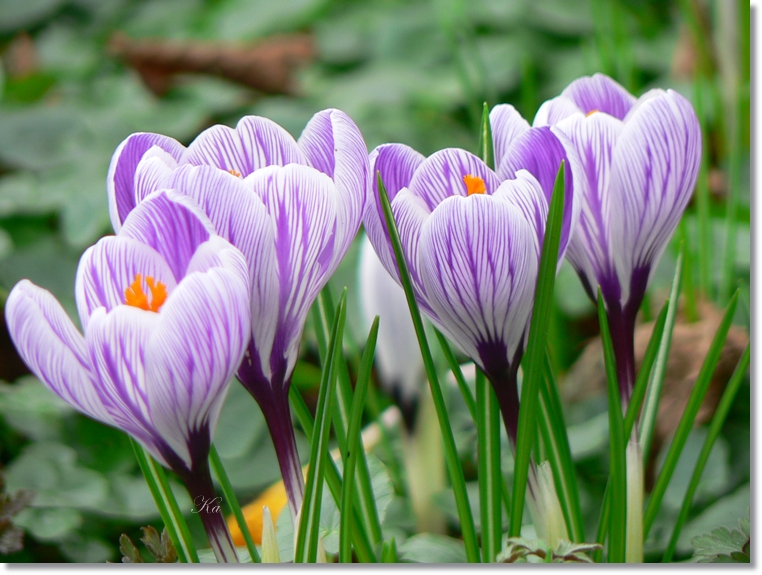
232, 501
534, 358
490, 477
618, 465
452, 362
689, 415
714, 431
451, 454
556, 441
167, 504
354, 443
309, 523
653, 392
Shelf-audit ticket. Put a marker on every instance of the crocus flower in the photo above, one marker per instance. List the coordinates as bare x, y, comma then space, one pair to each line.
163, 306
640, 160
292, 208
472, 245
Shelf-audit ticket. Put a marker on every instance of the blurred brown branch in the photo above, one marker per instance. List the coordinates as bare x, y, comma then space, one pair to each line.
267, 66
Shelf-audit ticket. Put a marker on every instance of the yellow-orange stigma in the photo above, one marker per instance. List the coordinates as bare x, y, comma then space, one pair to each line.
474, 184
136, 297
236, 173
590, 113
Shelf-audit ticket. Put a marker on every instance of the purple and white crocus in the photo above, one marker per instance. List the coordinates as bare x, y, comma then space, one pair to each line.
640, 160
472, 239
164, 310
293, 209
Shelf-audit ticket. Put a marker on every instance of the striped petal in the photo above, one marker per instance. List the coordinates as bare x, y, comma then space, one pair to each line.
594, 138
540, 152
254, 143
53, 348
525, 193
600, 93
302, 204
172, 224
109, 267
193, 353
334, 145
507, 125
554, 110
653, 173
120, 181
151, 173
396, 163
479, 267
441, 176
116, 343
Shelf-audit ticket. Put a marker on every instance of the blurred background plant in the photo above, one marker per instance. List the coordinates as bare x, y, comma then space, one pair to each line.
78, 76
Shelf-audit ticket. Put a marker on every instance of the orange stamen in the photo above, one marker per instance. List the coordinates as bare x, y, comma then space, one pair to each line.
590, 113
474, 184
236, 173
136, 297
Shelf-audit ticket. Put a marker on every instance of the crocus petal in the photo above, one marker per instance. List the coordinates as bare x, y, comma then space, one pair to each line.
540, 151
396, 163
594, 138
334, 145
171, 223
52, 347
554, 110
525, 193
121, 173
193, 353
600, 93
441, 176
109, 267
150, 174
255, 143
410, 213
302, 203
507, 124
116, 343
478, 265
653, 173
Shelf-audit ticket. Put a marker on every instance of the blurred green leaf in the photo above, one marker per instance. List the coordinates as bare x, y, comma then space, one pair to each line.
32, 409
49, 523
15, 14
431, 548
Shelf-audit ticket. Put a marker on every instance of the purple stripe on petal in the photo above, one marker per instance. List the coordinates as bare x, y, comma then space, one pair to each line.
172, 224
507, 124
302, 203
601, 93
441, 176
396, 163
108, 268
193, 353
155, 167
554, 110
121, 172
479, 266
526, 194
52, 347
334, 145
653, 173
255, 143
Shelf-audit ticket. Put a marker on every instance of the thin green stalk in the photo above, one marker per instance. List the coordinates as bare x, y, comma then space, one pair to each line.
653, 393
309, 523
734, 182
452, 362
689, 415
232, 501
451, 454
354, 444
702, 196
342, 407
618, 469
714, 432
556, 440
534, 358
633, 409
360, 541
167, 504
488, 445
